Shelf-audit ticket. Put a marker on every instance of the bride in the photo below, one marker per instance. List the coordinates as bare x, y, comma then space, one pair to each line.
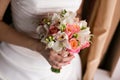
22, 56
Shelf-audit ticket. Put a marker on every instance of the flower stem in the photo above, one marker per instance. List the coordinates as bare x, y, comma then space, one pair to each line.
55, 70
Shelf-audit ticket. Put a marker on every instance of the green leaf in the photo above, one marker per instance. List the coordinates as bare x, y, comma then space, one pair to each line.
62, 27
75, 35
63, 13
83, 27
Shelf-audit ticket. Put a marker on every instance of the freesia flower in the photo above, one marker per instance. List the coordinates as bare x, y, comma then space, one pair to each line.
55, 17
50, 44
57, 46
83, 23
60, 36
68, 18
84, 35
66, 44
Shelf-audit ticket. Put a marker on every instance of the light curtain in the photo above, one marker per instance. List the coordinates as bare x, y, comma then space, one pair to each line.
103, 22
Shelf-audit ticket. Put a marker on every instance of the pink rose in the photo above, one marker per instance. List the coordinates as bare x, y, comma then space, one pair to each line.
87, 44
69, 30
53, 29
74, 51
76, 28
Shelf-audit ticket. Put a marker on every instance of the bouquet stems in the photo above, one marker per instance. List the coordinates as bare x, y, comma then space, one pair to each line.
55, 70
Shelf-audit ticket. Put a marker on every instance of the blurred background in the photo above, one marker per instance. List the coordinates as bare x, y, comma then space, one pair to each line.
103, 57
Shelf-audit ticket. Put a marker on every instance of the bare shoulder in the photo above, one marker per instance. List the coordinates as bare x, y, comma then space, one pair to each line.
3, 7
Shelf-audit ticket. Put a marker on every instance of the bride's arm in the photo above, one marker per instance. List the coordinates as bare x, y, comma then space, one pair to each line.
10, 35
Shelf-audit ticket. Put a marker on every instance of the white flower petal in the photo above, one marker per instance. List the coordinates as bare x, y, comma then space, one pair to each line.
50, 44
83, 23
57, 46
66, 44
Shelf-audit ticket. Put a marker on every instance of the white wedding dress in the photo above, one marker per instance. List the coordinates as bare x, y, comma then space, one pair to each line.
19, 63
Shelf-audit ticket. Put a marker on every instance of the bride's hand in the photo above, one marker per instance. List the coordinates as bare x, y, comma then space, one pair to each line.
56, 60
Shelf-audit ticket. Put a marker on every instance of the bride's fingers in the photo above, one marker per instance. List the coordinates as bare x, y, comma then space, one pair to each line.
59, 65
54, 56
56, 67
62, 59
64, 53
58, 60
67, 59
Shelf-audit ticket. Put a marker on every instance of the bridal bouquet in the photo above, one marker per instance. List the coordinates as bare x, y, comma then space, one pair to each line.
62, 31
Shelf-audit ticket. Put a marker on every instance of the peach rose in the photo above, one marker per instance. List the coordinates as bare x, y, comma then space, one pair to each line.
74, 46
